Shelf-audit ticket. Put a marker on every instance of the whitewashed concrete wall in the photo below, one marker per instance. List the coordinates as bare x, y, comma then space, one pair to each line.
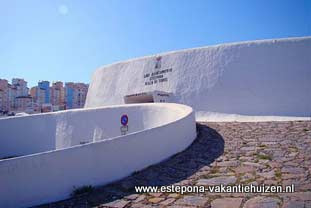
268, 77
50, 176
26, 135
43, 132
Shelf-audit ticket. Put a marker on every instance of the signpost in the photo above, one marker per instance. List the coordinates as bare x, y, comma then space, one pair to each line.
124, 121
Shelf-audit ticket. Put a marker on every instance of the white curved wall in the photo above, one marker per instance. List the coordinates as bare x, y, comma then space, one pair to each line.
43, 132
26, 135
44, 177
269, 77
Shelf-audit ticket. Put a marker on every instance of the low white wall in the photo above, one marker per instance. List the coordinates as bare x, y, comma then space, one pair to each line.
267, 77
26, 135
43, 132
51, 176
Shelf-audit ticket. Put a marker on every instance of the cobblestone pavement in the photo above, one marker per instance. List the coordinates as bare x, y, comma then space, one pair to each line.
231, 153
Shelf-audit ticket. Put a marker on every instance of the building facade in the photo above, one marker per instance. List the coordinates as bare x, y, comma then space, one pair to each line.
44, 86
4, 95
41, 98
21, 87
266, 77
24, 103
58, 96
75, 94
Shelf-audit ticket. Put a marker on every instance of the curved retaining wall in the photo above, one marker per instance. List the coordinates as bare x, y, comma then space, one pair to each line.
162, 130
43, 132
268, 77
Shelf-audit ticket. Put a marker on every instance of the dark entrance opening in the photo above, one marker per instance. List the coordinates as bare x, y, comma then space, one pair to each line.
139, 98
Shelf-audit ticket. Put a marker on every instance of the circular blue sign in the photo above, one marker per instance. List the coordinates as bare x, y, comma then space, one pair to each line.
124, 120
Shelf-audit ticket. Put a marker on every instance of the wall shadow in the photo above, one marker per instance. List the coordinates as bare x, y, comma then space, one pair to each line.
205, 149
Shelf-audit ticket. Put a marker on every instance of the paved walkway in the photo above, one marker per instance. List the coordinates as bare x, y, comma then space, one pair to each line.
229, 153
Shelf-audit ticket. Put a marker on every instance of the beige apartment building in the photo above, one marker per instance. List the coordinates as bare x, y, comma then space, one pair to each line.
58, 95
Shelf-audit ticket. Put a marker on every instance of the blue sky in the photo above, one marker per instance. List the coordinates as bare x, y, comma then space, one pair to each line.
67, 40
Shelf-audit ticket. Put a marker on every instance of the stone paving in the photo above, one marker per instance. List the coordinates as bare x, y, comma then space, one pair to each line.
276, 153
